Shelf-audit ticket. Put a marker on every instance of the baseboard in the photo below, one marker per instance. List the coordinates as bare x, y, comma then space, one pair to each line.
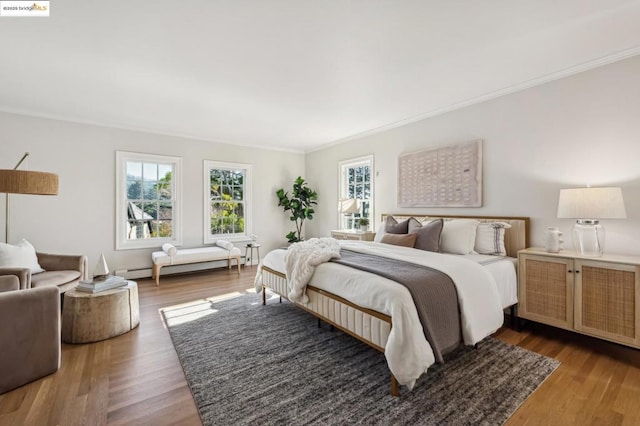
145, 272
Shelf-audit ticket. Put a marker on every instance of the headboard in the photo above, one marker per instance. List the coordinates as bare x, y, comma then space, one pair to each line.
515, 238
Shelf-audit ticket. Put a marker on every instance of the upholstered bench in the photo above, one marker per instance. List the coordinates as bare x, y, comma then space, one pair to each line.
171, 256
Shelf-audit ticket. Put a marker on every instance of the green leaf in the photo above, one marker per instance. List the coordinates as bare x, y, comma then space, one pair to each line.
299, 203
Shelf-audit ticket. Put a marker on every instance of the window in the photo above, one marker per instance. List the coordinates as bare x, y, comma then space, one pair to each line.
227, 201
147, 208
356, 181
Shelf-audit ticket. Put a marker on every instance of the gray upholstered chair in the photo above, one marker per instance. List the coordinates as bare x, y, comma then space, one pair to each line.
29, 333
62, 271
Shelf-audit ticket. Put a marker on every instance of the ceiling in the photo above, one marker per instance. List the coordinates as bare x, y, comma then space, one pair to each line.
295, 74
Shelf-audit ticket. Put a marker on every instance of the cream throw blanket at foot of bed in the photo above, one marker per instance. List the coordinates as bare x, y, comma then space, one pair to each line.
301, 260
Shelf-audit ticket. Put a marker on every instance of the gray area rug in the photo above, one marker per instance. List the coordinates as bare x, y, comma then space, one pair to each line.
262, 365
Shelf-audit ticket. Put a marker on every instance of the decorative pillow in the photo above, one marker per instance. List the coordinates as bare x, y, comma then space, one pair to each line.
413, 223
170, 249
458, 236
405, 240
393, 227
380, 232
427, 234
225, 244
490, 238
22, 255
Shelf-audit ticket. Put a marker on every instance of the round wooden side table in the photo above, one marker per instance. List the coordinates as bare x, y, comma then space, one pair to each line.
91, 317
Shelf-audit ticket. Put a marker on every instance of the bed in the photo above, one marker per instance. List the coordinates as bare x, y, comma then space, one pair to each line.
381, 312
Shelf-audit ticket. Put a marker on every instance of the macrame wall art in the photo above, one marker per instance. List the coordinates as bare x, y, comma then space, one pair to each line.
449, 176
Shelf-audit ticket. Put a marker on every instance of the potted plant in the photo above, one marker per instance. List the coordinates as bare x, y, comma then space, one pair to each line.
300, 203
364, 223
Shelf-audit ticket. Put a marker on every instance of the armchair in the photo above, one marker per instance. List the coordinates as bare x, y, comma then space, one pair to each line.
29, 333
61, 271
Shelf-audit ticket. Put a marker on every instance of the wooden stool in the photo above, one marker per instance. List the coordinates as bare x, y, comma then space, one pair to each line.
90, 317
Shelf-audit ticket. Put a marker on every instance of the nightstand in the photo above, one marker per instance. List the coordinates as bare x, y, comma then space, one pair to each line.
347, 234
598, 296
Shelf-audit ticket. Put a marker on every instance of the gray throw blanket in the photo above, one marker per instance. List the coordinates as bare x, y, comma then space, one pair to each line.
433, 293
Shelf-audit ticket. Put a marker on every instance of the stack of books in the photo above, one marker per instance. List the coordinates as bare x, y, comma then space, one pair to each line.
96, 286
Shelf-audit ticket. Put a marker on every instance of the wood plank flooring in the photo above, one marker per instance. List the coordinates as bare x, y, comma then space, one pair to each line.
136, 378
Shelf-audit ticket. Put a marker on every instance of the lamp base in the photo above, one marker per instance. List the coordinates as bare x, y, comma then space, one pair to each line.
588, 237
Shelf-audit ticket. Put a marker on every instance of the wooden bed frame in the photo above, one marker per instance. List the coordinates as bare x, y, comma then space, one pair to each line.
367, 325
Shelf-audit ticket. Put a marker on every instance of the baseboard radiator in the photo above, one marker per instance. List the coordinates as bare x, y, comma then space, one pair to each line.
145, 272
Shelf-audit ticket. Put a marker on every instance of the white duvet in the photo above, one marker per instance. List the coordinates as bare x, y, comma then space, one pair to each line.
407, 351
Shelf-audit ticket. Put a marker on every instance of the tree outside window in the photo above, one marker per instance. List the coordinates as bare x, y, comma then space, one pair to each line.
356, 182
149, 194
227, 199
148, 207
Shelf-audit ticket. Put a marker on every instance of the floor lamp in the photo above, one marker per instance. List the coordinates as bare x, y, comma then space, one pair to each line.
25, 182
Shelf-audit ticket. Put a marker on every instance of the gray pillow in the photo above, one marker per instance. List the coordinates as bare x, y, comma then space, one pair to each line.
393, 227
427, 234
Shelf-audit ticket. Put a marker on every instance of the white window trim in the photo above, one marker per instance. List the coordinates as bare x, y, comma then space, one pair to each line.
121, 201
341, 185
208, 238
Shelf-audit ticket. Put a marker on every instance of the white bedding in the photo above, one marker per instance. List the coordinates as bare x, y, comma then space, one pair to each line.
503, 269
407, 351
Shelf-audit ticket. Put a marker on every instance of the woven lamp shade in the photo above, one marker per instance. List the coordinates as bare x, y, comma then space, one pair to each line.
28, 182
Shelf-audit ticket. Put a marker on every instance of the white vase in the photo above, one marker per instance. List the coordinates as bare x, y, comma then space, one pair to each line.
553, 240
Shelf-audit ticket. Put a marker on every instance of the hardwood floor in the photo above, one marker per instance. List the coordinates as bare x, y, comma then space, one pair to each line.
598, 382
136, 378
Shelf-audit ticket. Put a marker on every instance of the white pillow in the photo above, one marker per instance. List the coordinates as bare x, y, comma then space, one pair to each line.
490, 238
170, 249
225, 244
380, 233
458, 236
22, 255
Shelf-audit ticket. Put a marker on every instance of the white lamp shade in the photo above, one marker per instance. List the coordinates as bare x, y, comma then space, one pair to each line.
348, 206
591, 203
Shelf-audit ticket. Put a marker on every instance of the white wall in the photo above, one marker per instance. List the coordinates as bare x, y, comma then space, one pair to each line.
583, 129
578, 130
81, 219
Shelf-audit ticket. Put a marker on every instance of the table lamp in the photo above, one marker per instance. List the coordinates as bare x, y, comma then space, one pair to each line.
349, 206
588, 206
